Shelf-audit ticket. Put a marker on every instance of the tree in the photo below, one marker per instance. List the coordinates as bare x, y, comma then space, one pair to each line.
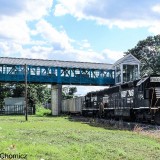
18, 90
37, 93
4, 92
68, 92
72, 90
148, 52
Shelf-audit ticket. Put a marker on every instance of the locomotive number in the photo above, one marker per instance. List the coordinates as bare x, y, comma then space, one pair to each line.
154, 79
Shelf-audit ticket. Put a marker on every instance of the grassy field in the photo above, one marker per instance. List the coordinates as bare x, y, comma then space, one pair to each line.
58, 138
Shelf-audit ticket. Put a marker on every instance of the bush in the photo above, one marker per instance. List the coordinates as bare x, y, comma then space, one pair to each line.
41, 111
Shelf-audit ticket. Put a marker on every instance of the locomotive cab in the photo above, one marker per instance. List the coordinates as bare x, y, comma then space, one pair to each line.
154, 94
147, 99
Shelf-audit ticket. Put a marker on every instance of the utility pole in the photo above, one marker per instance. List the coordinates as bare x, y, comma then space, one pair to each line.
26, 105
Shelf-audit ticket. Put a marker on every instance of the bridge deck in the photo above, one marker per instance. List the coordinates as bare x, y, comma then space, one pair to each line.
54, 71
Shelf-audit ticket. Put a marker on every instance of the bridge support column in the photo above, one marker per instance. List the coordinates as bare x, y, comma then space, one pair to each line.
56, 97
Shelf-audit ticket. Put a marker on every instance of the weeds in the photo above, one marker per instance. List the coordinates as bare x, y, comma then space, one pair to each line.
41, 111
137, 129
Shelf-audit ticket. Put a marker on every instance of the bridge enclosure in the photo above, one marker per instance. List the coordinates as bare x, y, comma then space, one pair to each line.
56, 72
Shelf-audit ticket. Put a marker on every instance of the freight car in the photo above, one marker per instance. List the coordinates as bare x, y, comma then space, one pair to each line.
73, 106
138, 100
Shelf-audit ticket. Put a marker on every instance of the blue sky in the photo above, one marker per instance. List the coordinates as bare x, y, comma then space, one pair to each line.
79, 30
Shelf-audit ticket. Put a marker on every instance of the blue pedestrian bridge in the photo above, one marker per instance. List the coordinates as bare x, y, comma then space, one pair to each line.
56, 72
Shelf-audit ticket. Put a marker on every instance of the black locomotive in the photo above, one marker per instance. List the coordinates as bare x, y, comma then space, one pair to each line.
138, 100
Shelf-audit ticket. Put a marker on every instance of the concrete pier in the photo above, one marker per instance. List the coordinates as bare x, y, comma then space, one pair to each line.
56, 97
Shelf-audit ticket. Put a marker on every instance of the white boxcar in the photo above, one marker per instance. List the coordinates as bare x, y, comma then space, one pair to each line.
73, 105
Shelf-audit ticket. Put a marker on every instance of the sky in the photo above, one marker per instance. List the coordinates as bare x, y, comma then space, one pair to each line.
75, 30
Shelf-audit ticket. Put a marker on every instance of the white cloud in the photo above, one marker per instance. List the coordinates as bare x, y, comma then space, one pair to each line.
36, 9
84, 44
156, 8
59, 39
154, 28
26, 9
36, 52
14, 21
73, 7
10, 48
112, 55
124, 14
14, 29
60, 10
87, 56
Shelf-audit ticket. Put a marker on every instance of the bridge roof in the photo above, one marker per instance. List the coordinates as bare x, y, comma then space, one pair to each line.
53, 63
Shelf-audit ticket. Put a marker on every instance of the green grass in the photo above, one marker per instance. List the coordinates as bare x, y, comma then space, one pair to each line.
58, 138
41, 111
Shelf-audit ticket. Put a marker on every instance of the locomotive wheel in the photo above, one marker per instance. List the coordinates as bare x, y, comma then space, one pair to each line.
157, 118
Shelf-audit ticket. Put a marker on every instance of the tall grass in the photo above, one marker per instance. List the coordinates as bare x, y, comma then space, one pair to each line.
41, 111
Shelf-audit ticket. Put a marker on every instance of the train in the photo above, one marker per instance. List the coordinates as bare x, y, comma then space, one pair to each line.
137, 100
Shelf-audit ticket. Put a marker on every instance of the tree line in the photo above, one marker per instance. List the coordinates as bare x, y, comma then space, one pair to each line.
37, 93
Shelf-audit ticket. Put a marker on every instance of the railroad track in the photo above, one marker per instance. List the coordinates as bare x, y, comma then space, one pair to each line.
115, 124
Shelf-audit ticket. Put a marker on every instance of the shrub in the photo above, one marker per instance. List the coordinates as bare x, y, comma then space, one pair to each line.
41, 111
